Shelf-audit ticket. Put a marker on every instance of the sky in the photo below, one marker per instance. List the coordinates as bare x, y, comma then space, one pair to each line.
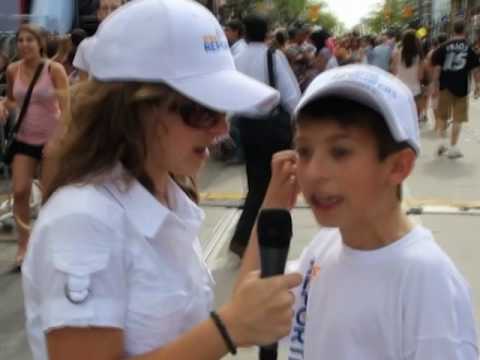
351, 11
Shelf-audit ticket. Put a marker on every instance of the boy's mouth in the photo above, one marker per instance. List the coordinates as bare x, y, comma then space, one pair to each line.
325, 202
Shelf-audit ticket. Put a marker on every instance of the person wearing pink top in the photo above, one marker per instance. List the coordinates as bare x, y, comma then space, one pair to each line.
48, 101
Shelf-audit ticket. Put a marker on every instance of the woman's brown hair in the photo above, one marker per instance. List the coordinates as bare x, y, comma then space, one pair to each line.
64, 48
108, 128
411, 47
37, 33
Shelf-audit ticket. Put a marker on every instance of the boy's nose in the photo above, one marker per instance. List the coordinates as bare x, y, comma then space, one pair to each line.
318, 168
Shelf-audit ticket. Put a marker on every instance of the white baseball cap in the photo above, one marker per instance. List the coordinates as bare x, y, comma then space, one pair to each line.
181, 44
374, 88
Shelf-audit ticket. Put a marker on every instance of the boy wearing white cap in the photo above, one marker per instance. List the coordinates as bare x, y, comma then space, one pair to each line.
376, 285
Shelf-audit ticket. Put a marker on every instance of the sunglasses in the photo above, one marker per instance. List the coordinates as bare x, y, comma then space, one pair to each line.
196, 115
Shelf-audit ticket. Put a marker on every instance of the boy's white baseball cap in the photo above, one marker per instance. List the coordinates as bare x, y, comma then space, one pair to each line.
374, 88
181, 44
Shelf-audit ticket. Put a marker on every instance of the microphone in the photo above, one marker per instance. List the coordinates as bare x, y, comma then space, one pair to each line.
274, 230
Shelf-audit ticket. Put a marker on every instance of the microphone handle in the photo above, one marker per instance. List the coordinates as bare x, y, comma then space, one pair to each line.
273, 263
269, 352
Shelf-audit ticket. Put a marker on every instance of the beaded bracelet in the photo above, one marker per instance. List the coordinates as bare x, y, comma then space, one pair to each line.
223, 331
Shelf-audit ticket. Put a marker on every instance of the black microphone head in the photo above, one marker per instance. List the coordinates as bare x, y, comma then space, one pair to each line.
274, 228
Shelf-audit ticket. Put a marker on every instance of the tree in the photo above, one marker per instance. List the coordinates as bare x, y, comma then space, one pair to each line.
330, 22
289, 10
286, 12
238, 9
391, 13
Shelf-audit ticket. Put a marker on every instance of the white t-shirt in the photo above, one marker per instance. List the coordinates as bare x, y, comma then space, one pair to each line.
406, 301
80, 60
112, 256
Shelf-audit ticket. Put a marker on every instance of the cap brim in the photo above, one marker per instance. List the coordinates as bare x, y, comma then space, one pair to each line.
227, 91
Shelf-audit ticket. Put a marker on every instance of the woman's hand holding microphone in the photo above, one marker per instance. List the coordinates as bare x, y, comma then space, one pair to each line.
261, 310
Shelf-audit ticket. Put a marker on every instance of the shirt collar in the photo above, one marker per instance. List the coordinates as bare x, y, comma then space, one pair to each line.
147, 213
239, 42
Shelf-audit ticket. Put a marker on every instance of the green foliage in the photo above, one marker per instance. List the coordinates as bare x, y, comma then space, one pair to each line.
390, 13
330, 22
288, 11
237, 9
284, 12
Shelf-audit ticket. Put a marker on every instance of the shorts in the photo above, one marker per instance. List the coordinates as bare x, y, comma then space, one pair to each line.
453, 106
33, 151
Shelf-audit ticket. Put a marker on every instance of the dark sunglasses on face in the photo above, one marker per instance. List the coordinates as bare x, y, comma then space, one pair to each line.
196, 115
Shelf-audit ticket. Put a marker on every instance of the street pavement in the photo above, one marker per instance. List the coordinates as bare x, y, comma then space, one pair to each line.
444, 193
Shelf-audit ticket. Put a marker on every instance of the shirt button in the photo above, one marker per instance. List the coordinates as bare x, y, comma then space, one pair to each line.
77, 289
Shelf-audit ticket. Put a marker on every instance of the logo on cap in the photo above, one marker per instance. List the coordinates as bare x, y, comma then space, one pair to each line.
369, 81
213, 43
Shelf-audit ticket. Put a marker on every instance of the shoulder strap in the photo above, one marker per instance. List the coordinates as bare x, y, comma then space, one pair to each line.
271, 75
28, 96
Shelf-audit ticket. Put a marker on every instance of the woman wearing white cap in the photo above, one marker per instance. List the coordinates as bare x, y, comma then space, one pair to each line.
113, 269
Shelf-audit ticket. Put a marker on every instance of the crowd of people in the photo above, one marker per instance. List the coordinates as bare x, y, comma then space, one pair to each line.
113, 267
311, 50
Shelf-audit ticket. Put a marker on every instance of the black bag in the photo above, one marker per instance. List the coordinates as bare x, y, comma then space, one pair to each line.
8, 149
279, 117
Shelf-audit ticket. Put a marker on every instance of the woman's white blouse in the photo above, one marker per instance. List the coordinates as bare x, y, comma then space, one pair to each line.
109, 255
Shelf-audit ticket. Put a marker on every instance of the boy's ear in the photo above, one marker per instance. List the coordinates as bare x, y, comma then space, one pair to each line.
401, 165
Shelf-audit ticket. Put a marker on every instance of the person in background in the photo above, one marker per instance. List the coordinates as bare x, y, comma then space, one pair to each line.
321, 58
76, 37
476, 42
4, 62
114, 269
407, 65
49, 102
368, 46
300, 52
261, 137
53, 43
342, 53
382, 53
356, 49
105, 8
454, 62
431, 88
63, 51
235, 32
280, 40
235, 35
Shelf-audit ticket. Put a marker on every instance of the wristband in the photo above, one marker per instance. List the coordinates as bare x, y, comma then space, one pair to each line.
223, 331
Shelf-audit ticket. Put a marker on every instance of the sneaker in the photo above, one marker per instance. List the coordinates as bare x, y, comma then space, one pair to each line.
454, 153
442, 149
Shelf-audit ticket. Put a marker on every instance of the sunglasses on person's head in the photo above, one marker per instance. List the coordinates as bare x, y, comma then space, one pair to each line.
196, 115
